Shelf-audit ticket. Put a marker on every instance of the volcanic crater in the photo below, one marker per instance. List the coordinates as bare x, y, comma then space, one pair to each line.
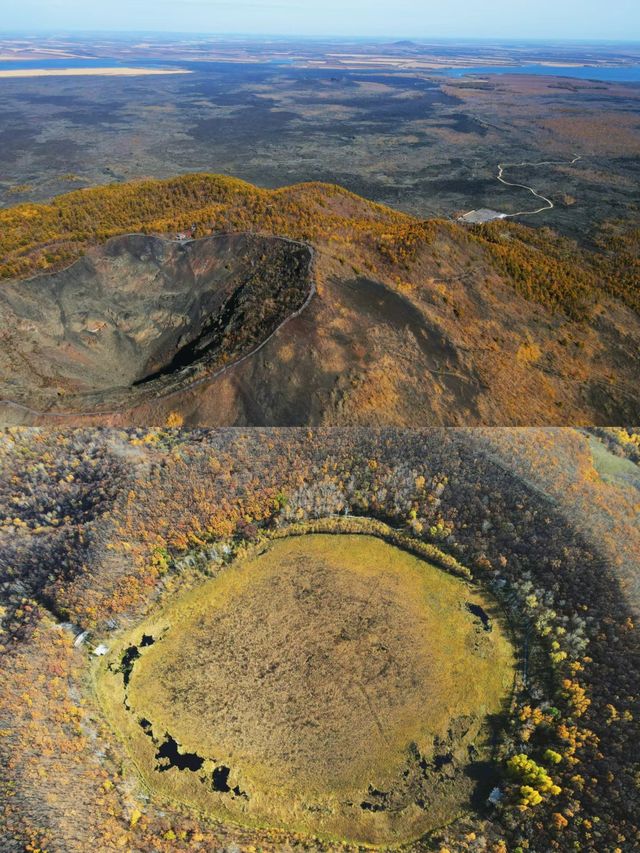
142, 316
332, 684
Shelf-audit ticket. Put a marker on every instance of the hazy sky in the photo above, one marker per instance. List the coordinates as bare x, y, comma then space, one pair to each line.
564, 19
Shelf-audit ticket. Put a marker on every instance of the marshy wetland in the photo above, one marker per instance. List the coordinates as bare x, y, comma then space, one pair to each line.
331, 684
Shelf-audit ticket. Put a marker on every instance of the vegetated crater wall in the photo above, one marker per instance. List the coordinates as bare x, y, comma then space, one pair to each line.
143, 315
335, 685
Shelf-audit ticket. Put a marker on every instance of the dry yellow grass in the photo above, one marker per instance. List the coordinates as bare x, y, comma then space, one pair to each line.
323, 681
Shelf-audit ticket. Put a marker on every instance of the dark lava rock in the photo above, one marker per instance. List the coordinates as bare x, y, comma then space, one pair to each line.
143, 315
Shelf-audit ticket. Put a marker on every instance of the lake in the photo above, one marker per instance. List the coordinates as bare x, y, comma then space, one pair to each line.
609, 74
52, 64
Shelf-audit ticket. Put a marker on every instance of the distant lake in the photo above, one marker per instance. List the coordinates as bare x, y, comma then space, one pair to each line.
52, 64
621, 74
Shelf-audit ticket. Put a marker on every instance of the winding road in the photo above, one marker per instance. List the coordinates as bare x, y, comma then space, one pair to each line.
549, 205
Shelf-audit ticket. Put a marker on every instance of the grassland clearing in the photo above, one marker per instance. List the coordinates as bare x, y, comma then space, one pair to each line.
333, 684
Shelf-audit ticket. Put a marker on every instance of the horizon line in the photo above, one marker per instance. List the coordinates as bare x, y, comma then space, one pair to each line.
422, 39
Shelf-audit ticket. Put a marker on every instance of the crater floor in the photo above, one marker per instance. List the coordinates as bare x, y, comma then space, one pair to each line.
334, 684
142, 315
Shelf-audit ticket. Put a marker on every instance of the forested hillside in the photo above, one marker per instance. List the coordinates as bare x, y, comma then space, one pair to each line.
540, 265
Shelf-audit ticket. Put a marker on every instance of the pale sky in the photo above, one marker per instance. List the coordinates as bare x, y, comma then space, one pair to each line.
550, 19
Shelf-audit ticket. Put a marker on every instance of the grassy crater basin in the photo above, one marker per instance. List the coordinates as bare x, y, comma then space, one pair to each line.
334, 685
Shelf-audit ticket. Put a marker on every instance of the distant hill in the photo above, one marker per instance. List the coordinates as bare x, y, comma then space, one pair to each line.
411, 323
